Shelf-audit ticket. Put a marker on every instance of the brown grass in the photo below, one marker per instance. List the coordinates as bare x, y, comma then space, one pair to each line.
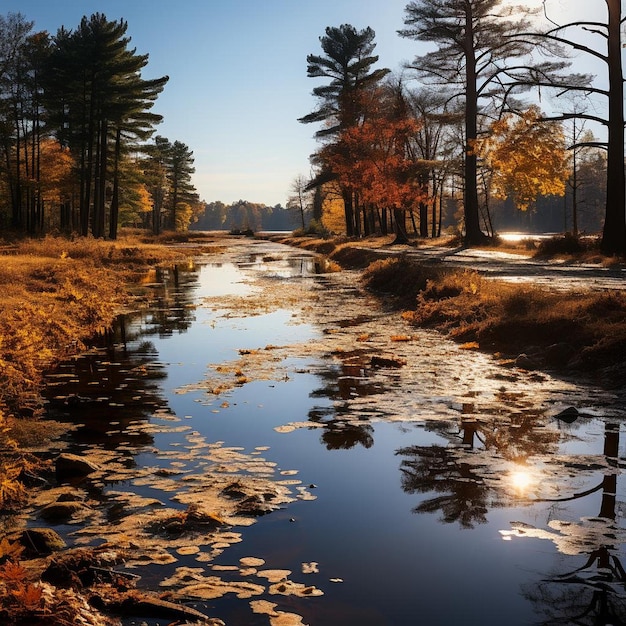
56, 293
507, 318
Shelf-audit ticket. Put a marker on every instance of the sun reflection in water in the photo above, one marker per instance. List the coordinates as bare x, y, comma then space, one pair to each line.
521, 481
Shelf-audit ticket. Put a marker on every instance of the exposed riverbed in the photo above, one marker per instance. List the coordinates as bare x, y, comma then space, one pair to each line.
359, 471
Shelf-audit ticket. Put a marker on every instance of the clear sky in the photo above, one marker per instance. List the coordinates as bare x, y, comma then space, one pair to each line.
238, 78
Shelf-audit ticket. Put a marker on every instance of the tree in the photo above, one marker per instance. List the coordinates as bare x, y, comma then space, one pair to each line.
528, 158
300, 200
347, 61
14, 104
95, 92
436, 145
614, 230
179, 170
169, 167
374, 159
477, 46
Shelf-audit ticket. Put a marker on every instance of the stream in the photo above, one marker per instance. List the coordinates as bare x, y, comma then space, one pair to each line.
360, 471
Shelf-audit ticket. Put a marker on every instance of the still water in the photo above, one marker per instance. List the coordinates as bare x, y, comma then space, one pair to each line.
430, 484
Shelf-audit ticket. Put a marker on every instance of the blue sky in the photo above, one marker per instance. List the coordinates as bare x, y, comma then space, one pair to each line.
238, 78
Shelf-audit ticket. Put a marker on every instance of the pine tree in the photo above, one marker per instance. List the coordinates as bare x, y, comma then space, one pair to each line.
347, 62
96, 92
476, 42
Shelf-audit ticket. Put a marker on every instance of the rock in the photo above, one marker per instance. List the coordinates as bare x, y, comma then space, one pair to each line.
61, 511
82, 567
570, 415
524, 362
71, 466
38, 541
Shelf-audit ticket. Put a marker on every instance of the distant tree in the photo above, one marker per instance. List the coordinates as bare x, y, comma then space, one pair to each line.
170, 167
477, 44
437, 147
347, 61
300, 200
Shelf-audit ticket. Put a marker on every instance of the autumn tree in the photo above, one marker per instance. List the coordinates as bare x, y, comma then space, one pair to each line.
477, 45
528, 158
374, 159
56, 184
347, 62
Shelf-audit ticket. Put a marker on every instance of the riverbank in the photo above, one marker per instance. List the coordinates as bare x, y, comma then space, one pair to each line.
565, 331
58, 293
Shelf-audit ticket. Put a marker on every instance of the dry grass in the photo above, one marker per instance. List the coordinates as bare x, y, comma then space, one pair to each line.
56, 293
507, 318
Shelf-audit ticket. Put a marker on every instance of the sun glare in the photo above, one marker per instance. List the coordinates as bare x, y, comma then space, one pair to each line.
521, 481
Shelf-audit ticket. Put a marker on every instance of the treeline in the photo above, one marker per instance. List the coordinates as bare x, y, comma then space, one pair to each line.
450, 140
76, 128
244, 216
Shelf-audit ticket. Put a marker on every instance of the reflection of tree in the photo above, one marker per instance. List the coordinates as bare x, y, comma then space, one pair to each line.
345, 435
440, 470
595, 592
106, 390
463, 471
345, 427
172, 310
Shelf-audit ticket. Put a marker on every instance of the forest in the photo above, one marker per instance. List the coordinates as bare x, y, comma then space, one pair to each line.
465, 148
454, 142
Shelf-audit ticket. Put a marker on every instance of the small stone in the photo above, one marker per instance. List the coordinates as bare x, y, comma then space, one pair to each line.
70, 466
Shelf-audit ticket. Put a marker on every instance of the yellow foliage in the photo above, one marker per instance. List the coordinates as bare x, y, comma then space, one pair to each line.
527, 158
333, 214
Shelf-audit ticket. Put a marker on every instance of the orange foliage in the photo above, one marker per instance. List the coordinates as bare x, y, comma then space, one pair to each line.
371, 159
56, 171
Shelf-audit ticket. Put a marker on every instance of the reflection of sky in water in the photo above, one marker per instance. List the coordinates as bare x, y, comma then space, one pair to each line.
399, 567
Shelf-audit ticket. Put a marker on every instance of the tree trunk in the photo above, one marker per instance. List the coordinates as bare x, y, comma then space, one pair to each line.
348, 211
614, 232
115, 198
400, 226
473, 233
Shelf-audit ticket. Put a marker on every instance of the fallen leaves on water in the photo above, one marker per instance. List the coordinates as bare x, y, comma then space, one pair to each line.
277, 618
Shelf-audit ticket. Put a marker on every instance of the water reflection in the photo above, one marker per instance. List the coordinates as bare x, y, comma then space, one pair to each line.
173, 309
107, 389
593, 592
484, 465
474, 456
118, 381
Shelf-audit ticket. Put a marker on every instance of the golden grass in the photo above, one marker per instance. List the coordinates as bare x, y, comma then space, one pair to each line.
56, 293
502, 317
